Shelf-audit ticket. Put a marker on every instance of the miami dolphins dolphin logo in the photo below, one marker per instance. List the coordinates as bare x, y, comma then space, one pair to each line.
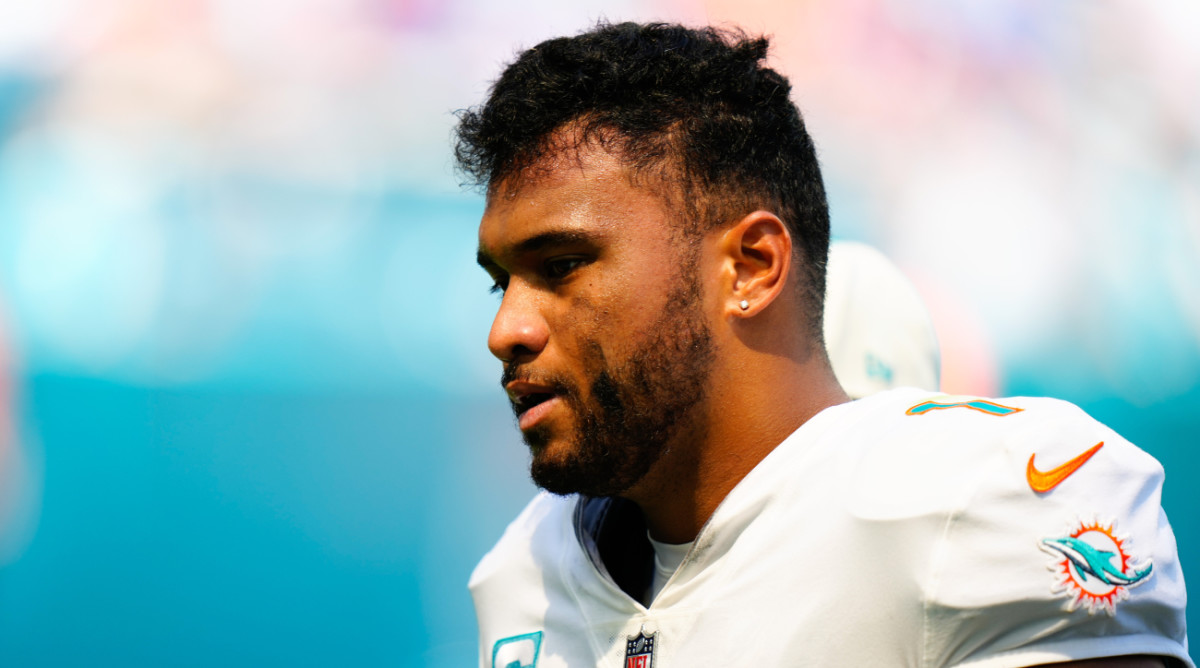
1093, 567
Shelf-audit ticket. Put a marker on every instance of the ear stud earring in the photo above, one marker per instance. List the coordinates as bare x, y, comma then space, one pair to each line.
745, 305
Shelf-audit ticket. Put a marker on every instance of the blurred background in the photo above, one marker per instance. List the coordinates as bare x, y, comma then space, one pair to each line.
247, 416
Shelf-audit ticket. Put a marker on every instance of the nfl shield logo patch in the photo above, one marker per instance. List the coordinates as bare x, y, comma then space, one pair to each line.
639, 651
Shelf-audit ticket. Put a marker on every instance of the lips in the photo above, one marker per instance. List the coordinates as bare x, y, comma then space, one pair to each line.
531, 401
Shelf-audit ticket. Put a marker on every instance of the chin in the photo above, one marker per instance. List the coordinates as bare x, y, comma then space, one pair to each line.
556, 468
565, 469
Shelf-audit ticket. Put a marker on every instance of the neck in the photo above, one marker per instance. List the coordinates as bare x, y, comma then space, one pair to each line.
730, 434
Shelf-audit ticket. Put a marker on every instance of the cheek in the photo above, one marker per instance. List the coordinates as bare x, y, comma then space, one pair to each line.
613, 311
600, 325
585, 325
628, 299
592, 334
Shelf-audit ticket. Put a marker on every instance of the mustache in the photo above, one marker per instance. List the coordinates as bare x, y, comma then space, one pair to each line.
558, 383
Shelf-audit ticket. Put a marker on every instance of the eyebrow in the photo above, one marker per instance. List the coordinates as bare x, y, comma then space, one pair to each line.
539, 242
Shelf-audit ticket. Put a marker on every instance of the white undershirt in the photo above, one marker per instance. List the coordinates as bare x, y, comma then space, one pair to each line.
667, 557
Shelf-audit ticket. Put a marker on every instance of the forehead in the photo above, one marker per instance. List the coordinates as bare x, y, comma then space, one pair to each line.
588, 191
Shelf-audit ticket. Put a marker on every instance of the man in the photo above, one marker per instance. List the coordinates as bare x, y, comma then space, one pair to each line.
657, 227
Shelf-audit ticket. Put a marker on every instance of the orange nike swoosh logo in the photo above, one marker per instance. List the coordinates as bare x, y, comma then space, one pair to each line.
1044, 481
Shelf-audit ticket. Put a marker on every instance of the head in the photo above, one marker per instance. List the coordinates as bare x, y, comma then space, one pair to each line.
609, 159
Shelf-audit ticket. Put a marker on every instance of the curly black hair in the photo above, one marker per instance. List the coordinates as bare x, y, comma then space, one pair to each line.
696, 107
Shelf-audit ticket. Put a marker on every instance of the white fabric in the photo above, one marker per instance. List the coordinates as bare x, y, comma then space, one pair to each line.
878, 332
867, 538
667, 558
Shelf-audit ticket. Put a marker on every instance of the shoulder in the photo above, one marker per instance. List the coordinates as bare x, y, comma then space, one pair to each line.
913, 453
513, 583
957, 444
530, 540
986, 420
1053, 543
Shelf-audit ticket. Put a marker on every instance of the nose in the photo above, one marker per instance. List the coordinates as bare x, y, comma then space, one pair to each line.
519, 329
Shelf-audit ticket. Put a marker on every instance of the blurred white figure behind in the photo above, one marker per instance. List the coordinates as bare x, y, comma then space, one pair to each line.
878, 332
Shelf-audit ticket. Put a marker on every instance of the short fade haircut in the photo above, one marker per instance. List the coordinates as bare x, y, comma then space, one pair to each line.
695, 107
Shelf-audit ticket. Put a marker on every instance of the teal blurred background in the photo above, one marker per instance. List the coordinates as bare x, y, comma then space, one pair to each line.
247, 416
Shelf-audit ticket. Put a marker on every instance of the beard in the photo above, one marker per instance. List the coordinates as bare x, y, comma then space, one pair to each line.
634, 408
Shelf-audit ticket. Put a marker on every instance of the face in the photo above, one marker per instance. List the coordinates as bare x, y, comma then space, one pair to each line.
601, 327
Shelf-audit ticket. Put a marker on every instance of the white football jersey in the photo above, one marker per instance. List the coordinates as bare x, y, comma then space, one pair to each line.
904, 529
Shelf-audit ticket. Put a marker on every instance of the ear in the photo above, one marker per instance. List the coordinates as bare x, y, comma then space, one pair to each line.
758, 256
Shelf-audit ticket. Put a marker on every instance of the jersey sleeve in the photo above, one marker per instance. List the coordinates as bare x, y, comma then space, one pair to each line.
1060, 550
506, 588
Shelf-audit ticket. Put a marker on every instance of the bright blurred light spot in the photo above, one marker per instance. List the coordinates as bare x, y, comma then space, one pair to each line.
29, 29
88, 259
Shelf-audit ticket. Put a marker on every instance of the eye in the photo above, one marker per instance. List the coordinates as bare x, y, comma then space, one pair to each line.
559, 267
499, 285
